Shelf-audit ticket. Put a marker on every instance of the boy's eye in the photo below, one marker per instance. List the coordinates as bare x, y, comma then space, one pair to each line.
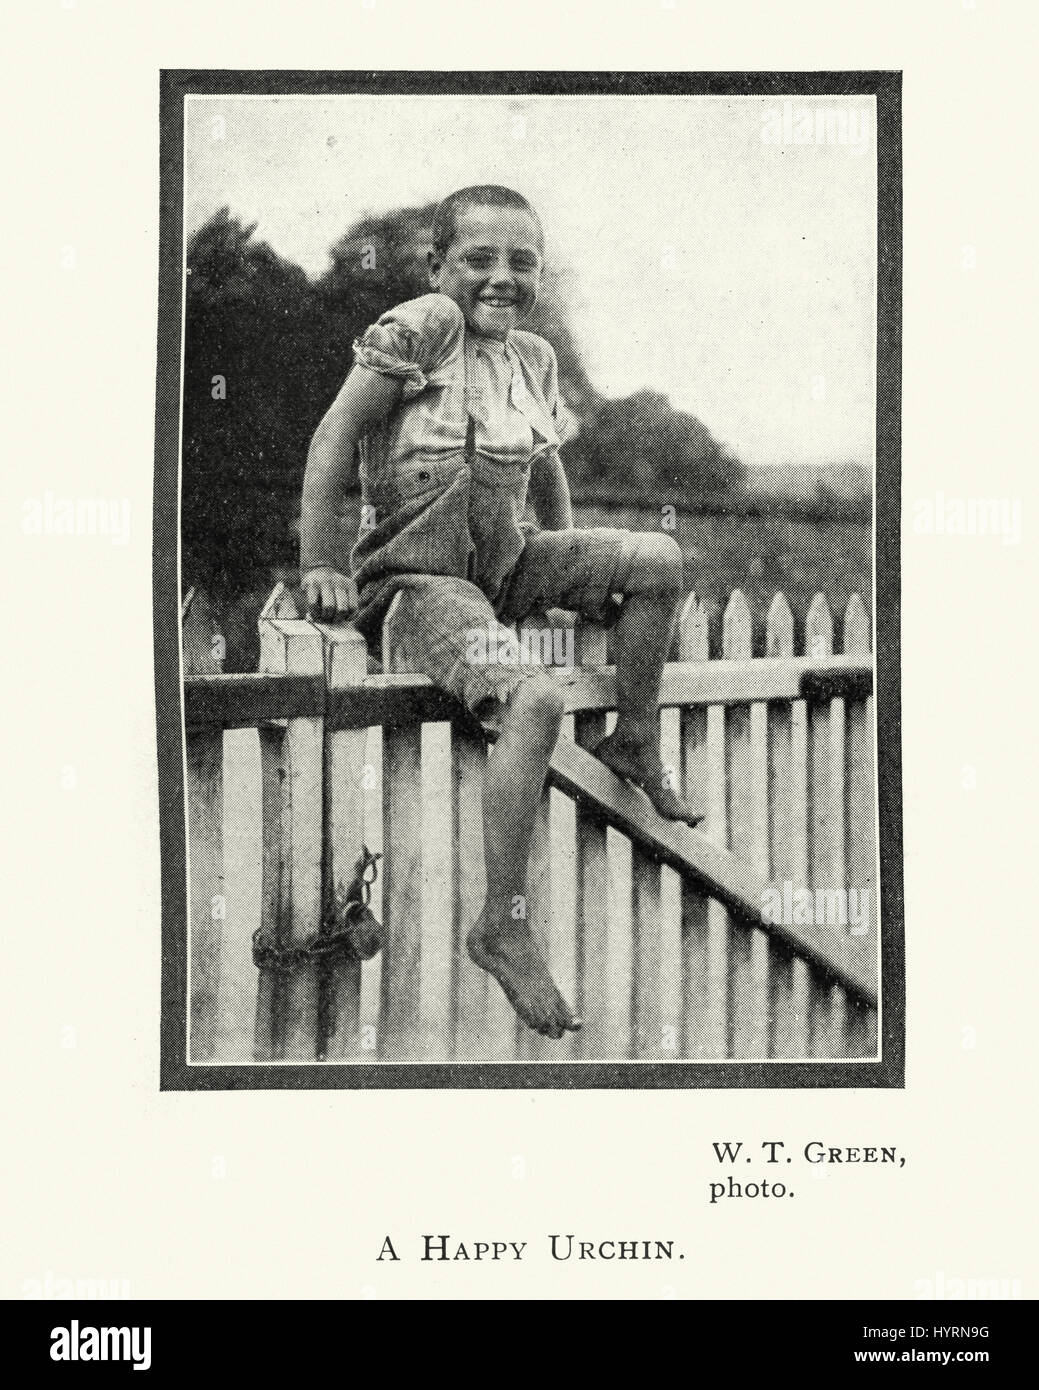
482, 261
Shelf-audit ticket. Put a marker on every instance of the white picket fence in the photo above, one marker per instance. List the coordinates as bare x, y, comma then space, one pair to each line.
292, 771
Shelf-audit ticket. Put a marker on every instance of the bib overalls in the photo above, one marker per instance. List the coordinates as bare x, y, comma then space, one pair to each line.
444, 496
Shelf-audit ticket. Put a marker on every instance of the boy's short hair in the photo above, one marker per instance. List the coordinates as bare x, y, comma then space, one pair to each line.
492, 195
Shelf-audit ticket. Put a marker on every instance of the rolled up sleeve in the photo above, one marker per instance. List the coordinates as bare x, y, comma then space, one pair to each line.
412, 342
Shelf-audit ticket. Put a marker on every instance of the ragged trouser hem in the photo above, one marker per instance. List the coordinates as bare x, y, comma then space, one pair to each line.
485, 691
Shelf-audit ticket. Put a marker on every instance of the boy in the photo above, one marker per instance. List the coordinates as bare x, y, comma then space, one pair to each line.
452, 408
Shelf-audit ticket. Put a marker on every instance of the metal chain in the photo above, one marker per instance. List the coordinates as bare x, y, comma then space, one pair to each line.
333, 939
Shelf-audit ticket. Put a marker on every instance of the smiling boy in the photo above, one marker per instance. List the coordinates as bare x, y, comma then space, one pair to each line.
452, 409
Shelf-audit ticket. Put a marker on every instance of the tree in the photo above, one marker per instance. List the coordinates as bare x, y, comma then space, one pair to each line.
641, 445
261, 364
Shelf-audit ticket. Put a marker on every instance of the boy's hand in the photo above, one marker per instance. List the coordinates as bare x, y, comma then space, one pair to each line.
330, 597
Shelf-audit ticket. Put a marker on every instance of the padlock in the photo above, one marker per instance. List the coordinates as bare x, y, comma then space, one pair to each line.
354, 919
365, 932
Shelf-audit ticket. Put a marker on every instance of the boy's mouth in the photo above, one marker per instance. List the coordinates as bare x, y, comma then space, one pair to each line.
497, 302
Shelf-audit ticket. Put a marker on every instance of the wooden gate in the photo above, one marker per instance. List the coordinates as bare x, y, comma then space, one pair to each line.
755, 937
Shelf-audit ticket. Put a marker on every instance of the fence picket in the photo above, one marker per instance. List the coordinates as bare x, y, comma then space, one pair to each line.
470, 888
273, 890
671, 935
592, 882
346, 664
747, 785
759, 1039
826, 745
200, 642
205, 764
205, 783
402, 879
861, 848
787, 746
436, 1004
563, 946
370, 1009
645, 959
703, 1008
242, 854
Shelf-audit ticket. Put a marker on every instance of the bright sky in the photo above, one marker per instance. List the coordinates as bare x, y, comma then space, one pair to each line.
732, 272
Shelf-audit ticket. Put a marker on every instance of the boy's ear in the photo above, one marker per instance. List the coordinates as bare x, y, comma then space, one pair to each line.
434, 263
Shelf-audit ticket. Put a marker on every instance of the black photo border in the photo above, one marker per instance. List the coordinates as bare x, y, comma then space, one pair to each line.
175, 1073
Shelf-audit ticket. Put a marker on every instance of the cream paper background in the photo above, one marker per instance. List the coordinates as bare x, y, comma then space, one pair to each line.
290, 1195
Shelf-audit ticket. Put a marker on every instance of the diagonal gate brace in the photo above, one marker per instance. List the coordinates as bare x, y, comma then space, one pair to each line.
851, 961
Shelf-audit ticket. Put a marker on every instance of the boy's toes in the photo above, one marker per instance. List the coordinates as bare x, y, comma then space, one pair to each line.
562, 1021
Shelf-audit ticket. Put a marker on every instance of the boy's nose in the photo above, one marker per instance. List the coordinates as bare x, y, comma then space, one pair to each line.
502, 277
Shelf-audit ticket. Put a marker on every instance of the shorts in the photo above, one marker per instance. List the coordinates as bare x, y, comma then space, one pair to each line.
438, 615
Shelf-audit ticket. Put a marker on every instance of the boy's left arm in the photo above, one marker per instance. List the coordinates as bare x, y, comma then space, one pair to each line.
550, 492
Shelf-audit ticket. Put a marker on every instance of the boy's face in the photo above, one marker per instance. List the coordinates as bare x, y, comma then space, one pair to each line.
492, 269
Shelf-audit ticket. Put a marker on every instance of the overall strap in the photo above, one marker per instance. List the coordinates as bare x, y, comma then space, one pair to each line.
470, 440
472, 395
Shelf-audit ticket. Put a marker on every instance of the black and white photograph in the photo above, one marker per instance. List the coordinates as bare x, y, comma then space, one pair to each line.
527, 582
518, 786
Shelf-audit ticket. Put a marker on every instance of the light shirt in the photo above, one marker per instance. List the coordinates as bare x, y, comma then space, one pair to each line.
513, 391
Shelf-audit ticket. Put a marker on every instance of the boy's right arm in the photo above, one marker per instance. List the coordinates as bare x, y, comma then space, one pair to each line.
366, 397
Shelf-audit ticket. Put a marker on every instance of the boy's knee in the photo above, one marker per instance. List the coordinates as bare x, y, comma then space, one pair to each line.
656, 565
540, 699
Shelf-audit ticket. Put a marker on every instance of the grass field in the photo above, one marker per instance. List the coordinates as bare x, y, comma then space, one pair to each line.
761, 555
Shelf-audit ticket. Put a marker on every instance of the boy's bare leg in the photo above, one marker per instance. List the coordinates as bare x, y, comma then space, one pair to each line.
643, 636
499, 941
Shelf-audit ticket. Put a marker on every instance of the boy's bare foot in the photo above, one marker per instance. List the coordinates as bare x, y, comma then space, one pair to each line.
637, 760
516, 963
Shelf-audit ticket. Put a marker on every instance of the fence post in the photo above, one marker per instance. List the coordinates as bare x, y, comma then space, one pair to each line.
291, 759
346, 664
205, 774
